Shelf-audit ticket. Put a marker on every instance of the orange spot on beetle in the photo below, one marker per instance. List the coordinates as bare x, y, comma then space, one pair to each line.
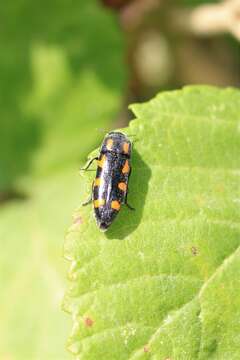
99, 202
109, 144
101, 161
126, 167
97, 182
126, 148
115, 205
122, 186
88, 322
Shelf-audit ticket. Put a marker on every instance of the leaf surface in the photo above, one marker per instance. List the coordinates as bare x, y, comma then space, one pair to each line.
163, 281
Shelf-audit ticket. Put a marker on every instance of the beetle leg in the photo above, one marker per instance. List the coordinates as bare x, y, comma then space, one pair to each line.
129, 206
87, 202
89, 163
90, 198
126, 203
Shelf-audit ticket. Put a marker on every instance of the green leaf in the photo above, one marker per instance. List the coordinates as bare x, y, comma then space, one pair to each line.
57, 92
31, 271
76, 92
163, 281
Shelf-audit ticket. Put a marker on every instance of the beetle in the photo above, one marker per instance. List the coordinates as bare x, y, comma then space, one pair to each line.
110, 187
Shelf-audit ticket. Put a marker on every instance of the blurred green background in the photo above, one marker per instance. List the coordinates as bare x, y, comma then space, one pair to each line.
68, 70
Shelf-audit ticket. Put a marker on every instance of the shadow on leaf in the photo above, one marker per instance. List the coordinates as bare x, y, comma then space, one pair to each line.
127, 220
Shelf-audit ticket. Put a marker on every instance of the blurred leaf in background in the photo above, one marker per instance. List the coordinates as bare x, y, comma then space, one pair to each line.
174, 43
62, 78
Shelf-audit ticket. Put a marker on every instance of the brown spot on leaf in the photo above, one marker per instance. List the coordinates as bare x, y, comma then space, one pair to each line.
88, 322
77, 220
200, 200
194, 250
220, 188
146, 349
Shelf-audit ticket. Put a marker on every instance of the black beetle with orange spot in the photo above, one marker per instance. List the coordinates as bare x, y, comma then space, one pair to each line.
110, 187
